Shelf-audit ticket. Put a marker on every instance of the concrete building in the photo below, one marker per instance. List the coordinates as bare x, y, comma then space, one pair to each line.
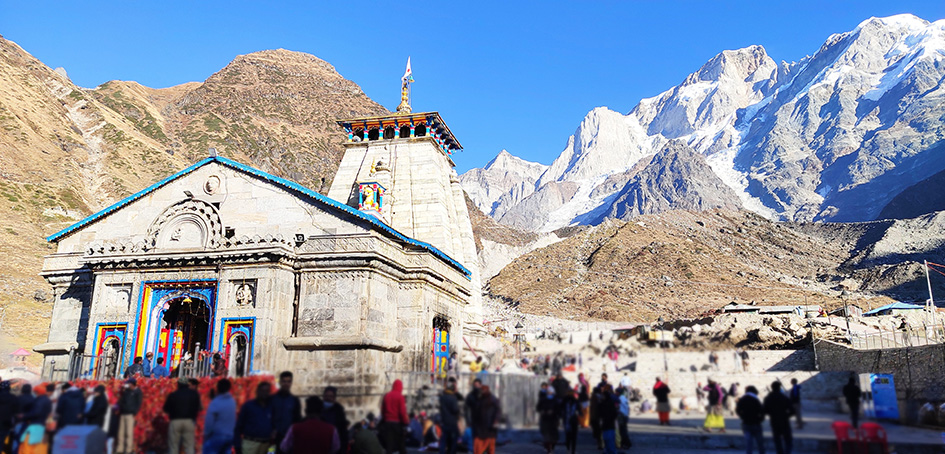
380, 276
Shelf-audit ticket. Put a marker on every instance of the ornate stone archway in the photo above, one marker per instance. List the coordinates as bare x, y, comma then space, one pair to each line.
187, 224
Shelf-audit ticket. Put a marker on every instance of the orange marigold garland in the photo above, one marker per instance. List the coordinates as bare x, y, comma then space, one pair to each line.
151, 423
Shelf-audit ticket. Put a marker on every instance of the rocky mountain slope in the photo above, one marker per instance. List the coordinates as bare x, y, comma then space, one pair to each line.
886, 256
498, 244
682, 264
67, 151
836, 136
676, 177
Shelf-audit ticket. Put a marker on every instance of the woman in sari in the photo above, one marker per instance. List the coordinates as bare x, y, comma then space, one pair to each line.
584, 398
661, 391
715, 418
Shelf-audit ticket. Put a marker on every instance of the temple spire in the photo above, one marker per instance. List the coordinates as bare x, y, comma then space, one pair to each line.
406, 80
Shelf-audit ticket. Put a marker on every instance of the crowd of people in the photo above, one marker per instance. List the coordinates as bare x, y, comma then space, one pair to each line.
463, 423
277, 421
273, 421
551, 365
604, 407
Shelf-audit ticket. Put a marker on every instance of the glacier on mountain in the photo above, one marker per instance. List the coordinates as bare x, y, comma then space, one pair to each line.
834, 136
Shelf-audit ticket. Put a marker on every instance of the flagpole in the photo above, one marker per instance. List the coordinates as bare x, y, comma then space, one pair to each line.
930, 305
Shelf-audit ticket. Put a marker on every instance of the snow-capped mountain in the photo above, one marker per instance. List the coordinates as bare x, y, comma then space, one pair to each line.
835, 136
502, 183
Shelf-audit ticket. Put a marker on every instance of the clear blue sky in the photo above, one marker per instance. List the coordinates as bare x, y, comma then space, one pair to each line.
514, 75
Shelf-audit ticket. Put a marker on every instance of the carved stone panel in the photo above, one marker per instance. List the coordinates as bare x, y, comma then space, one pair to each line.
244, 293
116, 298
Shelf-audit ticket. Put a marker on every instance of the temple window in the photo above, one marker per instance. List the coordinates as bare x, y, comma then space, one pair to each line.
358, 134
405, 131
389, 132
420, 131
374, 134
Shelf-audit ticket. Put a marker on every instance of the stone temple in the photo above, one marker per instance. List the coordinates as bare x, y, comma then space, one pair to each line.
379, 276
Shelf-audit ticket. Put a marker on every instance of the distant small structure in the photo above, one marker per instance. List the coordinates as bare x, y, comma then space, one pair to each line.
850, 310
20, 355
801, 310
893, 309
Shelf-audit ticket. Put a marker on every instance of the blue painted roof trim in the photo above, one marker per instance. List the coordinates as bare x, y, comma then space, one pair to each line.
286, 184
126, 201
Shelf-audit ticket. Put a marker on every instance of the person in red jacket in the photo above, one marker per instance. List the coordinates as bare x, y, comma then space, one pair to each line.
394, 419
312, 434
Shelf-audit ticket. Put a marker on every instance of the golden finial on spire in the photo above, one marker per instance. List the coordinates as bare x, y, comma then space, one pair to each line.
404, 106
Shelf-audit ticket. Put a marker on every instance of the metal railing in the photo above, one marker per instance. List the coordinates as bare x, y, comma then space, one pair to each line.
79, 366
909, 336
198, 366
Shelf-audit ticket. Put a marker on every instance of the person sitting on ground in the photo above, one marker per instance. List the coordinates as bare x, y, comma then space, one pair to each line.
312, 434
646, 406
431, 433
415, 430
364, 439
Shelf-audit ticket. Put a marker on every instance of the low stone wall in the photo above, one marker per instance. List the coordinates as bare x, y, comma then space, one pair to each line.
917, 371
759, 361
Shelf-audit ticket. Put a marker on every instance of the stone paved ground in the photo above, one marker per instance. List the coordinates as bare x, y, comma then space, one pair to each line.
686, 436
534, 448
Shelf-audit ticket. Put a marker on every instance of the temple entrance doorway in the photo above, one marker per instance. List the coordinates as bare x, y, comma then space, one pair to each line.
110, 357
237, 354
185, 326
441, 346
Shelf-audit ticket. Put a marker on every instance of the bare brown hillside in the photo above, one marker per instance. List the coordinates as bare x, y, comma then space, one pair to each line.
66, 152
675, 264
486, 228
